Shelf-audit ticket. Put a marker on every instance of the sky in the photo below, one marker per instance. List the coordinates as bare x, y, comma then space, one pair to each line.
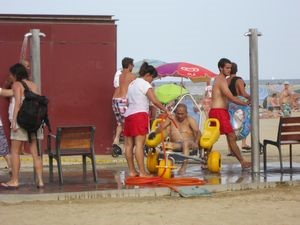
195, 31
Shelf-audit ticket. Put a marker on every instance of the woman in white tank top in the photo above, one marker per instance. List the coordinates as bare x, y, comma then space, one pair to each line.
19, 135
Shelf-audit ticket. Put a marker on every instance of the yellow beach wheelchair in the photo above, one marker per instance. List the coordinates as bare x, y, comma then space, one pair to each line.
210, 159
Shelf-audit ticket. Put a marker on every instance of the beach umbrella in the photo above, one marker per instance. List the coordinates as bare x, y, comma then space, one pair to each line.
193, 72
152, 62
169, 92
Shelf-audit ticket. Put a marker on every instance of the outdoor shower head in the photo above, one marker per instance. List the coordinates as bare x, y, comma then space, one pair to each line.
42, 34
28, 34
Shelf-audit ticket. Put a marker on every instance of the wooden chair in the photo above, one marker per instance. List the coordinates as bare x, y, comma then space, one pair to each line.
288, 134
70, 141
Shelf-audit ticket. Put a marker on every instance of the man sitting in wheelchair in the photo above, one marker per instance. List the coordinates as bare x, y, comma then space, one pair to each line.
183, 133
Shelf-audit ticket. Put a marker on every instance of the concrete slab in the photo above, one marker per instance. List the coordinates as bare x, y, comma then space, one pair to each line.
111, 181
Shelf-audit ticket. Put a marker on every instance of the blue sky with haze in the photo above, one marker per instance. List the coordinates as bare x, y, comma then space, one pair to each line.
195, 31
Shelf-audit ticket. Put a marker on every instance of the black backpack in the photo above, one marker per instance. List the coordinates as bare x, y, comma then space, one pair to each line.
33, 112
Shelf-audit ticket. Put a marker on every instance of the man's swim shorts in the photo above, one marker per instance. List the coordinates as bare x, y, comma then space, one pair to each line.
224, 118
119, 106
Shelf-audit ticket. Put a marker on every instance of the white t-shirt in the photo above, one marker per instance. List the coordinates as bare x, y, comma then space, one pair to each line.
116, 78
137, 98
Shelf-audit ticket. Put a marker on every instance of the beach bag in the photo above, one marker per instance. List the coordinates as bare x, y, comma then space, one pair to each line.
33, 112
240, 118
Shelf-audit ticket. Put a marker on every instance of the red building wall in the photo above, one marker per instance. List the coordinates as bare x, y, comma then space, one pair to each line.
78, 61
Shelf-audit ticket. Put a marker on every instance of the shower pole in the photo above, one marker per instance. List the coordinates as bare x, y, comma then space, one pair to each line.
35, 44
253, 60
36, 56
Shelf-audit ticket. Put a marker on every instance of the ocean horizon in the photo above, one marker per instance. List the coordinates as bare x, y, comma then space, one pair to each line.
276, 81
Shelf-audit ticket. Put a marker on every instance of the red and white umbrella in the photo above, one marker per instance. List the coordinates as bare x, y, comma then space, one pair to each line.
185, 70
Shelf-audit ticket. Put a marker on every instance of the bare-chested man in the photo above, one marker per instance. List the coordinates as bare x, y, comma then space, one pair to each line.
285, 99
183, 131
119, 101
219, 109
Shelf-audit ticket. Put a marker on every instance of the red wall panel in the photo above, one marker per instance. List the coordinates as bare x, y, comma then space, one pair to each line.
78, 62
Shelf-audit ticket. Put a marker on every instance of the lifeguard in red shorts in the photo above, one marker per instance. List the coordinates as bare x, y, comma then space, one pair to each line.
220, 97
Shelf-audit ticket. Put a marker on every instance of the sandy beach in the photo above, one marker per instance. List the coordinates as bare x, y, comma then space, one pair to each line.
274, 206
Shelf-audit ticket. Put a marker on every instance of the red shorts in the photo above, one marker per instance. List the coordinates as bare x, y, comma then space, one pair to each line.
224, 118
136, 124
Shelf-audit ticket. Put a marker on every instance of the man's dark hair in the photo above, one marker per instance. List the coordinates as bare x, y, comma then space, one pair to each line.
19, 72
181, 105
146, 68
234, 68
222, 62
126, 62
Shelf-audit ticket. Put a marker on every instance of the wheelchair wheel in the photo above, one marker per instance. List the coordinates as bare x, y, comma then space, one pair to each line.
116, 150
152, 161
214, 162
163, 171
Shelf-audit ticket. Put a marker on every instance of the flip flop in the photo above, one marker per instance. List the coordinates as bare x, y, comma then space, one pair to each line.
246, 151
116, 150
8, 187
230, 154
40, 186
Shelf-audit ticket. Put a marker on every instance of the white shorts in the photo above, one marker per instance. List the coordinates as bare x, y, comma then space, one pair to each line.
22, 135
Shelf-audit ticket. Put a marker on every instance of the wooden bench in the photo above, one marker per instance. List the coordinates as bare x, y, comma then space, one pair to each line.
70, 141
288, 134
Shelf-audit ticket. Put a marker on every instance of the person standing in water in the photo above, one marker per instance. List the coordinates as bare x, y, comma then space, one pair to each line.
18, 135
119, 100
139, 95
219, 109
237, 86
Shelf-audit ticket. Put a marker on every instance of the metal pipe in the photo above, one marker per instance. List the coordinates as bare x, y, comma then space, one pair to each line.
28, 35
36, 63
253, 60
36, 56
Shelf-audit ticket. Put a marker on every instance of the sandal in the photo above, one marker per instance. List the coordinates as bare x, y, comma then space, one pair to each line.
8, 187
247, 147
40, 186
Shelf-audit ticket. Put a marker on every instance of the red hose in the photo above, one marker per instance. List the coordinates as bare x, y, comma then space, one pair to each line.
159, 181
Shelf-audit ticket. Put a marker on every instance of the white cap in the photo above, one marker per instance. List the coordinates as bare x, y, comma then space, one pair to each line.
286, 82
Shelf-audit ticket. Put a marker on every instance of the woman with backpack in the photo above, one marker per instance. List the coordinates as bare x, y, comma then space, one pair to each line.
18, 135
